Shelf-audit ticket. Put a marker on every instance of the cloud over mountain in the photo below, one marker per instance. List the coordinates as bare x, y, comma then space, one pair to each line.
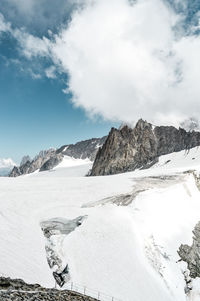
125, 60
7, 163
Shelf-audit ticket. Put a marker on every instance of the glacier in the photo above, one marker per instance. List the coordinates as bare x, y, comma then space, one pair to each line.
127, 249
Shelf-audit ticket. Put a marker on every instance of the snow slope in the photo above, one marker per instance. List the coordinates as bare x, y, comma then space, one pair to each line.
129, 252
69, 167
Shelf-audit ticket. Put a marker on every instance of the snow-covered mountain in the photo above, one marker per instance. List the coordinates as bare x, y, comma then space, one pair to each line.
6, 166
127, 148
50, 158
118, 234
124, 149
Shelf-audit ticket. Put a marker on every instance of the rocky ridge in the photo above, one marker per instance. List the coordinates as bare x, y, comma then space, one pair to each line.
191, 254
127, 149
18, 290
48, 159
83, 149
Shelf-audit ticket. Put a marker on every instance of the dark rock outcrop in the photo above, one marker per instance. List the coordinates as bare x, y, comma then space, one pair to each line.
15, 172
35, 164
52, 162
127, 149
83, 149
25, 159
18, 290
191, 255
60, 277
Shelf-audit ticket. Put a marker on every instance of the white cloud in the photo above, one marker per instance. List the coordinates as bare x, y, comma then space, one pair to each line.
125, 61
7, 163
33, 74
38, 15
51, 72
31, 45
4, 26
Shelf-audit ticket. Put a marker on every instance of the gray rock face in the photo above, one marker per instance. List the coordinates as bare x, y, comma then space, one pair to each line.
15, 172
25, 159
18, 290
127, 149
52, 162
48, 159
35, 164
191, 255
83, 149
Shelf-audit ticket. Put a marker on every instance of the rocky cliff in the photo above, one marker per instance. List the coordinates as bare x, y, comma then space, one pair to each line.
83, 149
191, 254
18, 290
48, 159
128, 148
29, 166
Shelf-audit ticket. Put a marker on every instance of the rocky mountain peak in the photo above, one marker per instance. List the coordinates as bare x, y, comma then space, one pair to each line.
50, 158
25, 159
142, 124
127, 149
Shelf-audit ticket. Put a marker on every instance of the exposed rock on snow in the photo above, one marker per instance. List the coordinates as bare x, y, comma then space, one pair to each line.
188, 282
127, 149
191, 255
52, 162
17, 284
83, 149
25, 159
141, 184
18, 290
197, 179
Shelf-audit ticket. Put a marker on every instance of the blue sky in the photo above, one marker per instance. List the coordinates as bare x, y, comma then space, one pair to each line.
47, 46
35, 114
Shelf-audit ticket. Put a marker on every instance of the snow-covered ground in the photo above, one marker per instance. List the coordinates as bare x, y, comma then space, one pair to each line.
129, 252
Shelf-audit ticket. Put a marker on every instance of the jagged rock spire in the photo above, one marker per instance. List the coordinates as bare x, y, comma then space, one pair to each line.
127, 149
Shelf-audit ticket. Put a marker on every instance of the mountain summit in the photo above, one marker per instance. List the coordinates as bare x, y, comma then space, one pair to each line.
128, 149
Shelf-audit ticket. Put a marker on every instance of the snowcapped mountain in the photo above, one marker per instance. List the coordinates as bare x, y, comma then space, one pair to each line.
128, 148
6, 166
48, 159
124, 149
119, 234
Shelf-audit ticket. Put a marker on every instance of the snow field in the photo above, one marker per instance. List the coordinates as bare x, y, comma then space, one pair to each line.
127, 252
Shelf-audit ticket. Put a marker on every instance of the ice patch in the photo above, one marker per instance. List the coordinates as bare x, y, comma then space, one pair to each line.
55, 231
